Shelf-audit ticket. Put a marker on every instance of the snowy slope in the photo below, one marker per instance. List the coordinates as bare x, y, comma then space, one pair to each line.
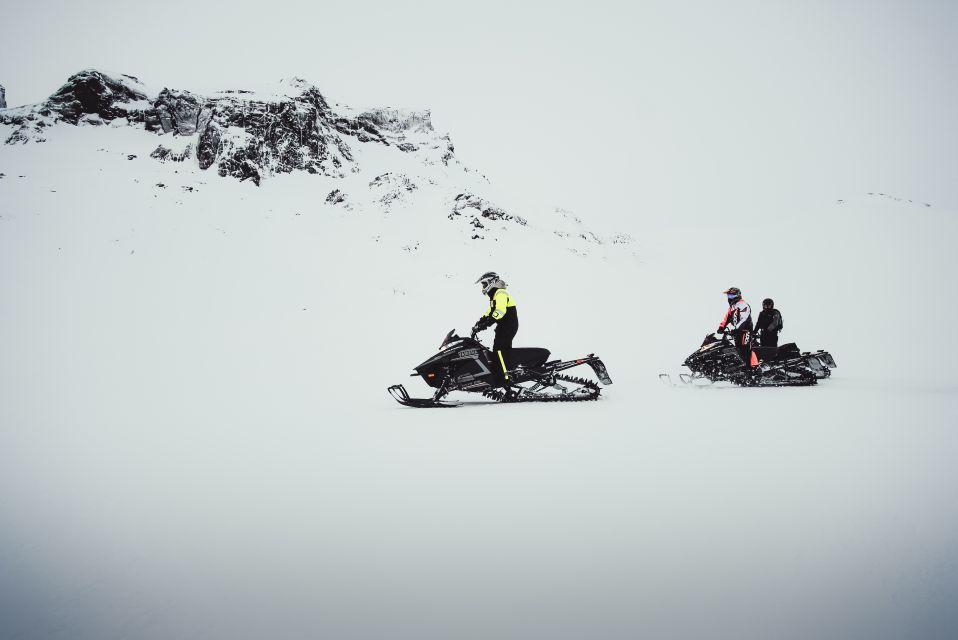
197, 442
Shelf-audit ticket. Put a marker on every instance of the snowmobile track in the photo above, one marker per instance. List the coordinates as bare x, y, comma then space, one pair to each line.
526, 395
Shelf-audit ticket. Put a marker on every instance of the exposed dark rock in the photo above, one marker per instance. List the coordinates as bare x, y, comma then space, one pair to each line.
249, 139
165, 154
360, 128
335, 197
3, 97
90, 97
388, 127
92, 92
473, 207
240, 133
29, 126
396, 187
176, 111
390, 179
398, 121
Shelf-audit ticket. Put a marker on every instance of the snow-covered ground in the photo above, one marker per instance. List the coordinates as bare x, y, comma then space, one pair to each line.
195, 439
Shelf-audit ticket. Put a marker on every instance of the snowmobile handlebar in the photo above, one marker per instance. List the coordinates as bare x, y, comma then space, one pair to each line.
453, 336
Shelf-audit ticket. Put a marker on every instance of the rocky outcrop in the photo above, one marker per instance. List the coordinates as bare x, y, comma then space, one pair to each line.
165, 154
395, 188
175, 111
89, 97
3, 98
92, 92
241, 134
249, 137
478, 212
409, 131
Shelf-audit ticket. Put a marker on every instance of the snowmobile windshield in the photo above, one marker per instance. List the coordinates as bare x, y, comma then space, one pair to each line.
449, 338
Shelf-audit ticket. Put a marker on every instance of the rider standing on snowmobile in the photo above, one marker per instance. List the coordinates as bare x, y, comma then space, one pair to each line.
769, 324
502, 312
738, 323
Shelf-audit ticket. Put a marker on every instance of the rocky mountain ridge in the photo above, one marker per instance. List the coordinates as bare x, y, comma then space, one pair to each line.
385, 161
243, 134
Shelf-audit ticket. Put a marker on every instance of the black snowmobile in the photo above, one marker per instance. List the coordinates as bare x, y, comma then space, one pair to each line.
719, 360
464, 364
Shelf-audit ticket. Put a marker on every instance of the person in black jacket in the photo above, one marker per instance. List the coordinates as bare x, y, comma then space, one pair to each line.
769, 324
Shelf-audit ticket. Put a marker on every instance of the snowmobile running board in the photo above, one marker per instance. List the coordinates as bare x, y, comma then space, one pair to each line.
399, 392
693, 380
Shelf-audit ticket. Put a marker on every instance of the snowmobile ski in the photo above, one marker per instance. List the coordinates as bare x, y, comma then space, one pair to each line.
399, 392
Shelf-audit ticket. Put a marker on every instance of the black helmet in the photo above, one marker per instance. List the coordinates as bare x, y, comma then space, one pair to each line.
768, 302
488, 280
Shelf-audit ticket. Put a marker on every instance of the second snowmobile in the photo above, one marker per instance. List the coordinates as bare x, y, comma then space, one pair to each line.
719, 360
465, 364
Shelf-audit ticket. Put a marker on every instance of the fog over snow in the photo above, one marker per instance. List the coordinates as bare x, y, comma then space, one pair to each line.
198, 320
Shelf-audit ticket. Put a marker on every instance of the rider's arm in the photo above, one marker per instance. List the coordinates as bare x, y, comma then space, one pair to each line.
498, 308
725, 320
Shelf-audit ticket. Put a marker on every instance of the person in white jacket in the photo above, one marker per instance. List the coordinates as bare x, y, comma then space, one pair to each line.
738, 323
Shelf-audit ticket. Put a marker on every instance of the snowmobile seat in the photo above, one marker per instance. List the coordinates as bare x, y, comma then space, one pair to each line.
777, 354
528, 357
789, 351
765, 354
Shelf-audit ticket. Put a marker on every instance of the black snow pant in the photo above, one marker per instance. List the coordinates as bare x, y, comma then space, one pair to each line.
768, 339
743, 343
502, 349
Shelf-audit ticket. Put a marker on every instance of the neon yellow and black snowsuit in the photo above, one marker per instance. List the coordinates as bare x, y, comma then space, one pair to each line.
502, 310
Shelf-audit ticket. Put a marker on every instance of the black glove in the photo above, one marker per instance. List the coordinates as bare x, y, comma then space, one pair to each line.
482, 323
720, 330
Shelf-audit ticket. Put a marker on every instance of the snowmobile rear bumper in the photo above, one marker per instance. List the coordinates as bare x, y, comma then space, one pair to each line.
600, 371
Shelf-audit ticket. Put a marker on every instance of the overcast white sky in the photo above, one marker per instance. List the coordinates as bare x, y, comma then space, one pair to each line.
614, 109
